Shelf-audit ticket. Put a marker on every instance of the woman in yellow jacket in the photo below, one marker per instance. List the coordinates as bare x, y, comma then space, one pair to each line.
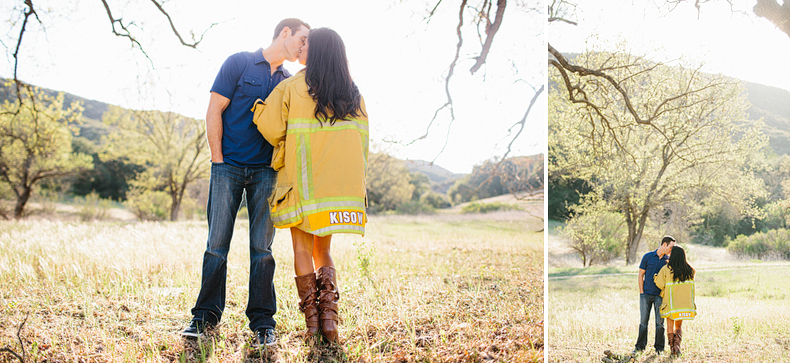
676, 281
317, 123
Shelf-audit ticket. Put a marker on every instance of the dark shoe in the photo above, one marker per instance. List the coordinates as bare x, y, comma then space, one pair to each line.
308, 301
264, 338
670, 342
328, 297
195, 330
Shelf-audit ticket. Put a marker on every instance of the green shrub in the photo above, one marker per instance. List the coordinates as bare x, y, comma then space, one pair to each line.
598, 238
414, 207
775, 216
148, 205
477, 207
48, 199
770, 244
190, 209
91, 207
435, 200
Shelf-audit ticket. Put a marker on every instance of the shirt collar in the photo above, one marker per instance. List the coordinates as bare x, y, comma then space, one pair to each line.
258, 58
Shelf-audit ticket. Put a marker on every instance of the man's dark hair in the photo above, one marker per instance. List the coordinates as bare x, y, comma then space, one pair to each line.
291, 23
667, 239
329, 79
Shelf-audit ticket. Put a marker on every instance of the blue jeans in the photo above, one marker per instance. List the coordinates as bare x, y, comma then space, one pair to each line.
226, 186
646, 302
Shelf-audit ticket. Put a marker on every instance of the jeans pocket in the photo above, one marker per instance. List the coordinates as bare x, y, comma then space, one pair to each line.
220, 170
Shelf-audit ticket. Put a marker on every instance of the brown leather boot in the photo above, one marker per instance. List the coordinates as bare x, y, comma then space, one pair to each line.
671, 343
678, 339
308, 301
328, 296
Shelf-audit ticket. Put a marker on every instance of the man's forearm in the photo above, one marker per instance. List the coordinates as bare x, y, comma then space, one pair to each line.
641, 282
214, 136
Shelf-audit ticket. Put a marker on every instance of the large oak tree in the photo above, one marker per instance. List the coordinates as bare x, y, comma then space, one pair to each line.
697, 141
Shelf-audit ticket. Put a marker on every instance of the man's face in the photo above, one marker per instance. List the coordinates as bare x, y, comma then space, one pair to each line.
294, 42
666, 248
303, 53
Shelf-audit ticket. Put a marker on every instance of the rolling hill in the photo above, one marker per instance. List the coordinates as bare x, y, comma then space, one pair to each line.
769, 103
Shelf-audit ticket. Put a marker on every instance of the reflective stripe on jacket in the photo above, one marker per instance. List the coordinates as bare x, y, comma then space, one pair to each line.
678, 296
321, 167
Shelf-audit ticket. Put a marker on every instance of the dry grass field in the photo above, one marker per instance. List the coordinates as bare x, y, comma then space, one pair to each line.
442, 288
743, 307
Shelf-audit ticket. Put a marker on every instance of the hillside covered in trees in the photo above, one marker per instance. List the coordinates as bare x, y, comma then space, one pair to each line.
156, 163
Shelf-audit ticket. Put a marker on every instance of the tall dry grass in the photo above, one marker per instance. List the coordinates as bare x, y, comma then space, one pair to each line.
441, 288
744, 315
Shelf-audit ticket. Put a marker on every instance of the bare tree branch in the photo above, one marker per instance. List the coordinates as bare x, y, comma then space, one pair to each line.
430, 15
22, 357
449, 103
673, 4
557, 10
30, 11
491, 30
523, 121
553, 19
126, 33
8, 350
175, 31
563, 63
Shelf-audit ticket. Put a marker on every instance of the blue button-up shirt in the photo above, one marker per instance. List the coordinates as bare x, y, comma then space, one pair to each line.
652, 264
243, 78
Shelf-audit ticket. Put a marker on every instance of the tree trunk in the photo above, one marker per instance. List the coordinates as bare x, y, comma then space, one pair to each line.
777, 14
21, 201
175, 206
635, 229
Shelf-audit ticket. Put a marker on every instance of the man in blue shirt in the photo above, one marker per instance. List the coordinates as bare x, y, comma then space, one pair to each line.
650, 294
240, 159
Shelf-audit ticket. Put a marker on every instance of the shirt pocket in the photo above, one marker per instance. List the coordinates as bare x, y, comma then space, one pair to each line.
651, 267
251, 86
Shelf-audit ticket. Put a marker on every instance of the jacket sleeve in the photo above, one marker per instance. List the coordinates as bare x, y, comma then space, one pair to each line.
365, 137
661, 278
271, 118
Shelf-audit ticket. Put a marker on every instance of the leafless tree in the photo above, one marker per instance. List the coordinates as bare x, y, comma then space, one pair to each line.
488, 16
28, 12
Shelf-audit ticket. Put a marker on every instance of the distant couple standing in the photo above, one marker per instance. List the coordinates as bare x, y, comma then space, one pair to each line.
666, 285
300, 156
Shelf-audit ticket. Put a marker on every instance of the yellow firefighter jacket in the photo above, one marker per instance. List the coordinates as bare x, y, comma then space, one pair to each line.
321, 167
678, 297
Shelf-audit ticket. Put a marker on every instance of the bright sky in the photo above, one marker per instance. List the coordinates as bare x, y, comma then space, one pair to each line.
396, 58
735, 44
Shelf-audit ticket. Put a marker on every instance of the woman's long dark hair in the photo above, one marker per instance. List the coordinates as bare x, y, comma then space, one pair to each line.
328, 78
680, 267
